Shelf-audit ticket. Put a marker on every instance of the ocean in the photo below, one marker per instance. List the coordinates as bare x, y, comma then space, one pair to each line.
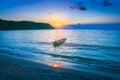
93, 51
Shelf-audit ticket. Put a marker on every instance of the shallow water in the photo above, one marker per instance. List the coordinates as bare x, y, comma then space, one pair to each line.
93, 51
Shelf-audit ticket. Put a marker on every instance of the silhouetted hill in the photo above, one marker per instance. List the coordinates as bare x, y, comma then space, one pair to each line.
94, 26
23, 25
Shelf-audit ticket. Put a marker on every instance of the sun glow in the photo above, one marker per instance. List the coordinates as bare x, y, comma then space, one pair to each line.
58, 25
56, 20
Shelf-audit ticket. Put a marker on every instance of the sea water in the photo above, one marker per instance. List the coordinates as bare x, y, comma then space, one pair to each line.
93, 51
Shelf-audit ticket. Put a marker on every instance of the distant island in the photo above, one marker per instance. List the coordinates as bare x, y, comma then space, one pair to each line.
107, 26
23, 25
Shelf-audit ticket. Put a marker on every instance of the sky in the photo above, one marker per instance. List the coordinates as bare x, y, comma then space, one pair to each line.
61, 12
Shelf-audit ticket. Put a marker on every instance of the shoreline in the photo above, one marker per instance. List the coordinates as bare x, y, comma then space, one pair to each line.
15, 68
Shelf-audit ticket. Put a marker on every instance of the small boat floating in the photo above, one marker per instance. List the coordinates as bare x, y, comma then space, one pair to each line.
59, 42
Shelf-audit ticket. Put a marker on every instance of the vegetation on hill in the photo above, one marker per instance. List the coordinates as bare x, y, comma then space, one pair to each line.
23, 25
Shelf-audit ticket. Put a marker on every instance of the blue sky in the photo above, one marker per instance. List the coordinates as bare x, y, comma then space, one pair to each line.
58, 12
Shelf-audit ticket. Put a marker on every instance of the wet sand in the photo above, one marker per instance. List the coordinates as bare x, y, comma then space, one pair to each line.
14, 68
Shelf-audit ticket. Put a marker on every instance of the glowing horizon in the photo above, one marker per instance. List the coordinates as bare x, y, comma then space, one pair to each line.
58, 13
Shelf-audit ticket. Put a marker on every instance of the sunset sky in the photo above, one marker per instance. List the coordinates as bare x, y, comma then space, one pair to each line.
58, 12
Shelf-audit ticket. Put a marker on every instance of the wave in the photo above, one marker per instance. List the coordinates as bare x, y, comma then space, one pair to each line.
64, 55
80, 45
30, 51
91, 46
71, 59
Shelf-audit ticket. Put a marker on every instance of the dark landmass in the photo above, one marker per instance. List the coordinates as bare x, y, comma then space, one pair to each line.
23, 25
94, 26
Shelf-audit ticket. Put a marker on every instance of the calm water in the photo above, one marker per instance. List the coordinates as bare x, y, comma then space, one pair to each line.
93, 51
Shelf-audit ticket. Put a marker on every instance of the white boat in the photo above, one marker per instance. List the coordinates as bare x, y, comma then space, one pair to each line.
59, 42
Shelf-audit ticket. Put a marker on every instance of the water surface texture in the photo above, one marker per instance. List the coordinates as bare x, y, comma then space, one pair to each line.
93, 51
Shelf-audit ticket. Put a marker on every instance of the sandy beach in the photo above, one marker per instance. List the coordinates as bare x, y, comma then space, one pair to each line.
14, 68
